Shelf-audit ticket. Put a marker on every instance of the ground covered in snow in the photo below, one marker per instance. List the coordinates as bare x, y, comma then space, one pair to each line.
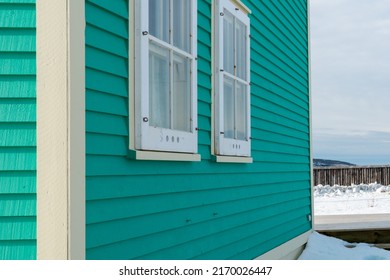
356, 199
321, 247
347, 200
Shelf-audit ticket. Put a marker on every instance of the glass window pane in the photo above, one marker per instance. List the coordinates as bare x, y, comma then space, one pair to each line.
181, 94
241, 51
159, 19
228, 42
241, 111
181, 12
228, 107
158, 86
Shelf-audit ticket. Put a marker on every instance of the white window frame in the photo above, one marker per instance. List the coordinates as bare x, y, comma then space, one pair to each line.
232, 148
148, 138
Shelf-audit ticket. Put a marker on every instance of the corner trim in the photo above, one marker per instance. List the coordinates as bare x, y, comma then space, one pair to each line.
290, 250
310, 116
60, 129
76, 130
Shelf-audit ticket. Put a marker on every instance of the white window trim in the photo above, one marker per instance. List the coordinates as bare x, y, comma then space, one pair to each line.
241, 6
219, 142
151, 155
139, 109
228, 159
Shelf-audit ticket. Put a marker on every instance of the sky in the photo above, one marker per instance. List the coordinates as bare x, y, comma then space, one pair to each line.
350, 80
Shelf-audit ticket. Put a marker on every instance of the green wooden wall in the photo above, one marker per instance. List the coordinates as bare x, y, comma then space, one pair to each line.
199, 210
17, 130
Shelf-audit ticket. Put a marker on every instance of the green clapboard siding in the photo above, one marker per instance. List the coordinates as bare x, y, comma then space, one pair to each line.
199, 210
17, 130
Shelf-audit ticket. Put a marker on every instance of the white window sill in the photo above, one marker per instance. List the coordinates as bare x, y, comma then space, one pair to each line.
163, 156
229, 159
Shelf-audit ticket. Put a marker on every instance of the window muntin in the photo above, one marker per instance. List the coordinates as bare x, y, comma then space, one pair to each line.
165, 75
232, 79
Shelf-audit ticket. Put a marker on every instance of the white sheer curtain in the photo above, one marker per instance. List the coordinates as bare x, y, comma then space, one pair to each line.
241, 111
240, 49
159, 101
181, 93
228, 107
228, 42
181, 12
159, 19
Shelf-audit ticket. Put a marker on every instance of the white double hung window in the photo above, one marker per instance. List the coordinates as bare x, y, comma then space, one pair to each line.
232, 94
165, 68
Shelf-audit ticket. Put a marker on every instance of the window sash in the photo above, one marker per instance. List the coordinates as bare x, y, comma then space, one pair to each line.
172, 127
173, 89
232, 133
235, 108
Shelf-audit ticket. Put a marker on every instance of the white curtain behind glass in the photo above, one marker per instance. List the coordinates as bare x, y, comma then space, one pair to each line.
159, 19
241, 49
181, 93
159, 86
228, 107
241, 111
228, 42
181, 24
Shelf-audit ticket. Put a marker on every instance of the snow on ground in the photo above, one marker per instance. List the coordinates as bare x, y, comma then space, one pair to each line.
321, 247
347, 200
356, 199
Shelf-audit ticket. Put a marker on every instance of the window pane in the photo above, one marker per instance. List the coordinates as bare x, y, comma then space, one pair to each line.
158, 86
228, 42
159, 19
228, 107
181, 95
181, 12
241, 111
241, 51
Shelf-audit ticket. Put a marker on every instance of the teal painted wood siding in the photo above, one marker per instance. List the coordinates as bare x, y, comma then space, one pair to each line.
17, 130
199, 210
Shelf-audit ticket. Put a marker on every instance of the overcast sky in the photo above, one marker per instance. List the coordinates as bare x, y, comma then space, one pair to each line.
350, 61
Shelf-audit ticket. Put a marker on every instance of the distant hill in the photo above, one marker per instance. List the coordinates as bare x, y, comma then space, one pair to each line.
327, 162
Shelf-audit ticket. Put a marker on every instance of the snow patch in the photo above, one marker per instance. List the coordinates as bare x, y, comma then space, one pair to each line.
371, 198
322, 247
